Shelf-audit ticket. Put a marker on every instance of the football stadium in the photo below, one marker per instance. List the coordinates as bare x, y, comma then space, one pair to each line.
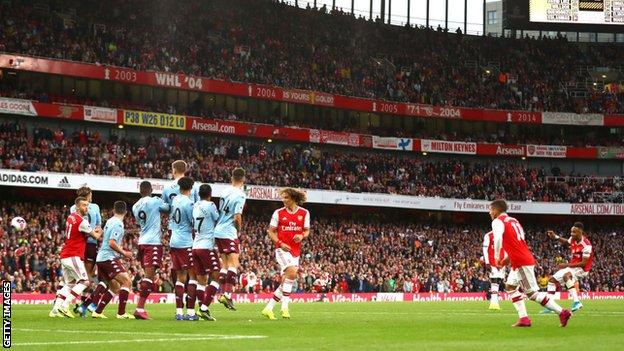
312, 174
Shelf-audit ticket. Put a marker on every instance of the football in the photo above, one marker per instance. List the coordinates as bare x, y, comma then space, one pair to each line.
18, 224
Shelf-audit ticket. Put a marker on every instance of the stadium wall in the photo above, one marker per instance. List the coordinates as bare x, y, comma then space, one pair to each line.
64, 181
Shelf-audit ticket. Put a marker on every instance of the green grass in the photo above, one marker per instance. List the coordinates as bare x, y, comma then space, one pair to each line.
329, 326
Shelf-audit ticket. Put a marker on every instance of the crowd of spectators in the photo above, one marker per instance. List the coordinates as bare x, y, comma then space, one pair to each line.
211, 159
341, 255
273, 43
578, 136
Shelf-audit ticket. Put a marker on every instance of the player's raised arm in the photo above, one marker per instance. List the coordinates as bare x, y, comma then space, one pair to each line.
553, 235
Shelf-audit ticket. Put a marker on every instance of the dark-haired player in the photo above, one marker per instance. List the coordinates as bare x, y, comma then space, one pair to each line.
226, 233
147, 213
582, 255
110, 268
205, 256
509, 235
181, 249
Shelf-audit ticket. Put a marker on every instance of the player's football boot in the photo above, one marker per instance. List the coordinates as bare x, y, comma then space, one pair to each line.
54, 314
98, 315
268, 313
577, 306
192, 318
564, 317
523, 322
494, 306
285, 313
92, 307
227, 302
180, 317
205, 315
125, 316
65, 312
82, 311
77, 308
141, 315
546, 311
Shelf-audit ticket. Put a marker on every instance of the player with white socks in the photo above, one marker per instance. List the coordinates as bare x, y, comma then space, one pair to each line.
509, 235
226, 233
578, 267
497, 275
289, 226
75, 277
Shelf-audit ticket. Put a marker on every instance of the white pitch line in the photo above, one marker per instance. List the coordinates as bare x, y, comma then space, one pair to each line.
108, 332
82, 342
454, 313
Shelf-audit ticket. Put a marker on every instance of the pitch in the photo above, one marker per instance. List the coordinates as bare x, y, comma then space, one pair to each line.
325, 326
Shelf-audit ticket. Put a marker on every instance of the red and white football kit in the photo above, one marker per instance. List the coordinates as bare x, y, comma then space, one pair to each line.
288, 225
72, 253
579, 251
488, 256
509, 235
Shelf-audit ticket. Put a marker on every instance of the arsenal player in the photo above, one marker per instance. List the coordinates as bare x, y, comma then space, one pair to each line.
75, 277
496, 274
95, 220
579, 266
289, 226
509, 235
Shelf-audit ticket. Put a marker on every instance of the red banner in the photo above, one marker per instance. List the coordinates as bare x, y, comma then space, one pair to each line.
39, 299
186, 82
501, 150
63, 111
196, 124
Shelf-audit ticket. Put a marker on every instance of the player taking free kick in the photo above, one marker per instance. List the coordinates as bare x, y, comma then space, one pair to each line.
568, 274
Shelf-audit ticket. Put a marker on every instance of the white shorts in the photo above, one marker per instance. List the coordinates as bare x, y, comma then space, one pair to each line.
524, 277
497, 273
286, 259
73, 269
577, 272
